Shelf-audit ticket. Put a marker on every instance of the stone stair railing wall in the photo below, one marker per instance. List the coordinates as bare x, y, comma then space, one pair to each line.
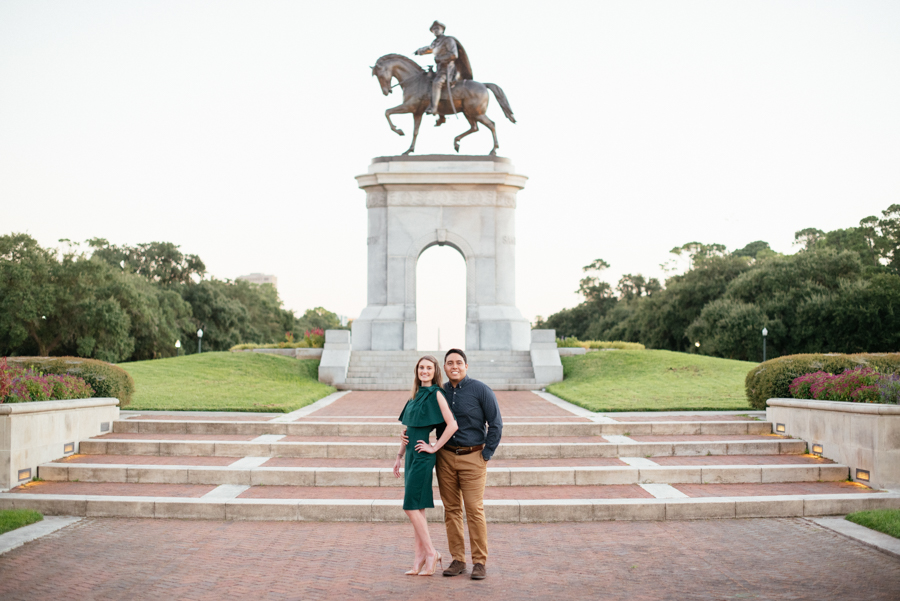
864, 436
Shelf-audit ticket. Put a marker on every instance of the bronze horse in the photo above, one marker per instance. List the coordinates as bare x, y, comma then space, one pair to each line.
469, 98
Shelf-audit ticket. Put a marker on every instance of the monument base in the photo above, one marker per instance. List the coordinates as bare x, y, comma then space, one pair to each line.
467, 202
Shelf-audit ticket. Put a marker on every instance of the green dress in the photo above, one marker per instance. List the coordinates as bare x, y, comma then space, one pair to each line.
421, 415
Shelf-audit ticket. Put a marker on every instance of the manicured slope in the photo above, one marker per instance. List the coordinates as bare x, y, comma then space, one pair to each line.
226, 382
652, 381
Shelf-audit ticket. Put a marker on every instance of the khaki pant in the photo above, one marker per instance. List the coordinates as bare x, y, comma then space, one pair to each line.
461, 479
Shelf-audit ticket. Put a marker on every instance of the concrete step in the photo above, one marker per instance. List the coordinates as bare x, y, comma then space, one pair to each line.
522, 504
387, 450
501, 371
390, 387
383, 476
390, 428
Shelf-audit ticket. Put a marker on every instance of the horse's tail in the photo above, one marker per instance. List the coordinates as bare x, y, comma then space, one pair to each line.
501, 98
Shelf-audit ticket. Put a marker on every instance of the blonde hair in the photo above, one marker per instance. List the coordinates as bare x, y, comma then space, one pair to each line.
436, 381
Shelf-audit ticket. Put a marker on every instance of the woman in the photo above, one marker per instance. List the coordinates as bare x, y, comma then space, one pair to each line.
423, 413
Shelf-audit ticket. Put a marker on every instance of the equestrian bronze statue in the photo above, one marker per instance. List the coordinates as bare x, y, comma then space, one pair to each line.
423, 91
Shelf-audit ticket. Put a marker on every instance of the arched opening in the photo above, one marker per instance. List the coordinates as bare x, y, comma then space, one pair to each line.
440, 299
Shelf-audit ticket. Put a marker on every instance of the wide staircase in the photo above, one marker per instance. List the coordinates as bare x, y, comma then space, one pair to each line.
393, 370
332, 462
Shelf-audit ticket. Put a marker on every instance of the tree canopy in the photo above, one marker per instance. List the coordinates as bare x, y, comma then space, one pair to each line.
839, 293
127, 303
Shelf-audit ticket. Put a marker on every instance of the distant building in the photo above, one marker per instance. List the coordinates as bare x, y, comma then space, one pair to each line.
260, 278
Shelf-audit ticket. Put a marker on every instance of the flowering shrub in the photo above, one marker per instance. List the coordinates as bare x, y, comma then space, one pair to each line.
800, 387
859, 385
21, 385
889, 389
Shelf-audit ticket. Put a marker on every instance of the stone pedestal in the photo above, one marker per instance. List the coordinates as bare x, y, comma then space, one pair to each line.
467, 202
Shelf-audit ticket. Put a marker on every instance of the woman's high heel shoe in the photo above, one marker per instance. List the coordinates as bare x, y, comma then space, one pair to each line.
416, 568
437, 559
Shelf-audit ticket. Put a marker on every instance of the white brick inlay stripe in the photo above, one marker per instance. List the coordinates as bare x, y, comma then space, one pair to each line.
638, 461
304, 411
225, 491
249, 462
663, 491
268, 438
618, 439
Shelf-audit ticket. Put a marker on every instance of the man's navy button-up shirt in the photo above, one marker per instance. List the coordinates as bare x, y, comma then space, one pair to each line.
473, 404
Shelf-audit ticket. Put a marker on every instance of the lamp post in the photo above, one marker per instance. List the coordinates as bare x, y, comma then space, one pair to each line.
765, 333
178, 348
199, 341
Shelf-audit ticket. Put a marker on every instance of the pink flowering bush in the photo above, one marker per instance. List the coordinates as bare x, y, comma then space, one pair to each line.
21, 385
859, 385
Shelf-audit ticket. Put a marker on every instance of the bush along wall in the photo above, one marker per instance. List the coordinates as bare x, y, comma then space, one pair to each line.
104, 379
773, 379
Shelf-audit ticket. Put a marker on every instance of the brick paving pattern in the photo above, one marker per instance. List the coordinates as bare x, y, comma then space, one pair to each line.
363, 403
125, 489
148, 460
703, 437
250, 417
125, 559
492, 493
785, 488
741, 460
162, 436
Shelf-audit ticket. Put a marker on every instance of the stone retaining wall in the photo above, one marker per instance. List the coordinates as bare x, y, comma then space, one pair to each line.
38, 432
861, 435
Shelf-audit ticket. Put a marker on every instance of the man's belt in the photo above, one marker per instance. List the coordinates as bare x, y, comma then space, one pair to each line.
463, 450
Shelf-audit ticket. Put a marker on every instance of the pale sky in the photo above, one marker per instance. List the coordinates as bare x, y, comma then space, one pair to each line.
235, 130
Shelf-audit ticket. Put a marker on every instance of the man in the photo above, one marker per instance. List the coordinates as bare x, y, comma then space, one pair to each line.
462, 462
451, 61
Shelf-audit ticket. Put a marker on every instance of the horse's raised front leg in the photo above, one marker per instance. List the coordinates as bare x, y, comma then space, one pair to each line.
397, 110
417, 120
473, 127
490, 125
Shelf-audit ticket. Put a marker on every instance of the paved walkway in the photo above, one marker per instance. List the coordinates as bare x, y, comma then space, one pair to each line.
168, 559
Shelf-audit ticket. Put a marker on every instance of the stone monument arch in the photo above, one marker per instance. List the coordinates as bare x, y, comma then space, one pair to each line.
466, 202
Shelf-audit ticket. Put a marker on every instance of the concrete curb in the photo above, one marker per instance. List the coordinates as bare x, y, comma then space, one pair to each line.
20, 536
871, 538
387, 450
392, 428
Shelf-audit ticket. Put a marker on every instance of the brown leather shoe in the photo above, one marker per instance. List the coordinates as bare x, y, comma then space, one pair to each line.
455, 568
478, 572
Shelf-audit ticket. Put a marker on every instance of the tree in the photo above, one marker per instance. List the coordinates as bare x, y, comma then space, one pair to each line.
50, 304
221, 318
159, 262
318, 318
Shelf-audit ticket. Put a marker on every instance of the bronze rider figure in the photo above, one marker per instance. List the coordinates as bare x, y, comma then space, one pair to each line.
451, 61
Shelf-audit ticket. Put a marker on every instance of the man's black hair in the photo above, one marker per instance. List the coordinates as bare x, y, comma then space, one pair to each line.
458, 352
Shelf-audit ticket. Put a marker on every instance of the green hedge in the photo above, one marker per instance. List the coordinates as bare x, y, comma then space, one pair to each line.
771, 380
106, 379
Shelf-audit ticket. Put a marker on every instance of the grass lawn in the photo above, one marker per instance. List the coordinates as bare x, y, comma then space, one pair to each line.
10, 519
226, 382
653, 381
882, 520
